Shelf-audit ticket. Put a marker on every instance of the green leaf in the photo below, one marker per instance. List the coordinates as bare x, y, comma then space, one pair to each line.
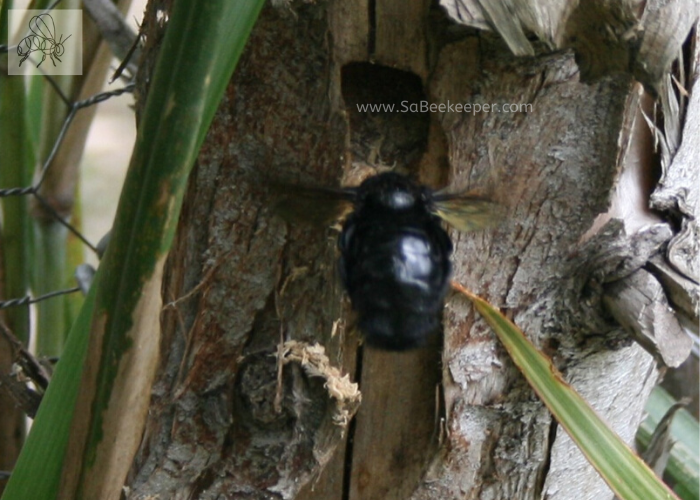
626, 474
38, 470
17, 165
201, 47
684, 464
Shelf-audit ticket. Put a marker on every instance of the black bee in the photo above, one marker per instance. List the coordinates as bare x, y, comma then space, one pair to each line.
394, 253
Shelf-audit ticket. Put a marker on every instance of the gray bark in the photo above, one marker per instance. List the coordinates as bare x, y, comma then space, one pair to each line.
570, 262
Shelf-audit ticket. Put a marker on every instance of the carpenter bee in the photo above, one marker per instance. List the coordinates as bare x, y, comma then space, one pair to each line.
394, 253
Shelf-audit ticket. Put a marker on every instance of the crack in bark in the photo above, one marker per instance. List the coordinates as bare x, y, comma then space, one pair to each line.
347, 465
372, 33
539, 487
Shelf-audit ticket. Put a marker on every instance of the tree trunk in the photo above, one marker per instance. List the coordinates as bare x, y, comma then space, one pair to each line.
235, 416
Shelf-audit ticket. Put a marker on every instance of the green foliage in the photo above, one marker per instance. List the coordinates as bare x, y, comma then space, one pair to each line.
626, 474
17, 170
684, 465
37, 472
185, 90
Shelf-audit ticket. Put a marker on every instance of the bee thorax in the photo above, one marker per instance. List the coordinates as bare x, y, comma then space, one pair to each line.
395, 266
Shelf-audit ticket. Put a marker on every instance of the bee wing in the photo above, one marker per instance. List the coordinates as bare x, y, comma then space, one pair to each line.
314, 205
39, 25
467, 212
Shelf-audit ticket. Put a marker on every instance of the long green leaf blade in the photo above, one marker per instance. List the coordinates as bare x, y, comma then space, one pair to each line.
17, 163
202, 44
684, 463
626, 474
201, 47
38, 470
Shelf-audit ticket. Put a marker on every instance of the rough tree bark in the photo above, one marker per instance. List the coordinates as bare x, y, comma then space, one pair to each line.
577, 262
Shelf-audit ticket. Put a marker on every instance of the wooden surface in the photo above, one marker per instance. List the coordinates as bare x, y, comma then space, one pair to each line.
454, 420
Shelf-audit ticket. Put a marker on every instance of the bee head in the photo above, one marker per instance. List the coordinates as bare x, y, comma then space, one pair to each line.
390, 191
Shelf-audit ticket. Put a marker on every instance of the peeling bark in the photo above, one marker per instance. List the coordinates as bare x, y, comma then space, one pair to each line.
456, 419
217, 425
629, 35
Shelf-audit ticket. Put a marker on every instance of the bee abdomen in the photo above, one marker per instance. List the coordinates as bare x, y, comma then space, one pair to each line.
397, 279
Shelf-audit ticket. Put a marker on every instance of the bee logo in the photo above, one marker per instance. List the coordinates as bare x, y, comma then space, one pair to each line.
394, 253
42, 40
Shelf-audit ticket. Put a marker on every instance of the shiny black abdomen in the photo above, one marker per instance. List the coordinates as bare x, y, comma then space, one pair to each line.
395, 265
